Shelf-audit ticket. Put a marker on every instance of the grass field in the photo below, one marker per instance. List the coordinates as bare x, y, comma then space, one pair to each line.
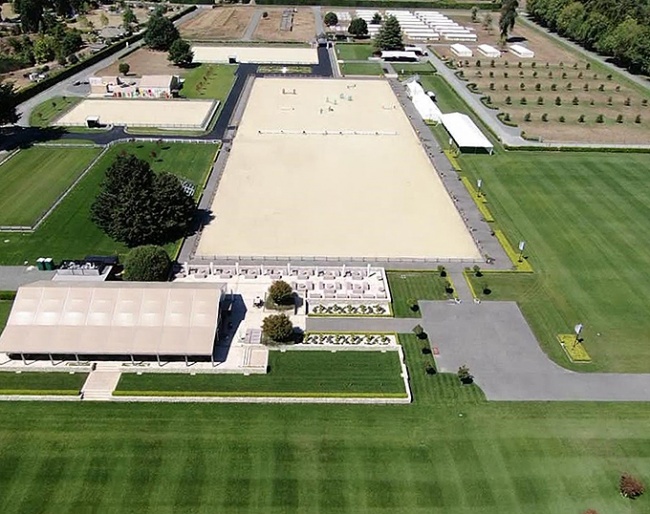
582, 216
448, 453
209, 81
5, 308
311, 373
353, 51
361, 68
68, 231
405, 286
44, 113
33, 179
61, 382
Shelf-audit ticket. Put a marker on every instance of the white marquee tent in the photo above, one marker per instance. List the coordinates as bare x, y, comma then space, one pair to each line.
465, 133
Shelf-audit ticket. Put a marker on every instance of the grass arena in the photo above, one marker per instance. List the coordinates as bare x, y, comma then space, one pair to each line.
331, 168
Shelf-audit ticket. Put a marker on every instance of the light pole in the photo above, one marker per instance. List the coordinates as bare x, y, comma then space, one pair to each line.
522, 245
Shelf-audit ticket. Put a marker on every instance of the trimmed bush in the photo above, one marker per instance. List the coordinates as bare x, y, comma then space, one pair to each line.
627, 102
419, 332
562, 119
558, 100
545, 117
540, 100
464, 375
601, 87
508, 100
148, 263
637, 119
527, 116
581, 118
619, 118
575, 101
600, 118
523, 100
281, 293
277, 328
413, 304
553, 87
630, 487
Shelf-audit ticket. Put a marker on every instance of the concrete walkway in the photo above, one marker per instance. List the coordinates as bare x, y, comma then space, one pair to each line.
252, 25
101, 382
12, 277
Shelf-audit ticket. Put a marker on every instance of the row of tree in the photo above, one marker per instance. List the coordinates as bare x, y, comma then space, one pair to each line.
162, 34
620, 29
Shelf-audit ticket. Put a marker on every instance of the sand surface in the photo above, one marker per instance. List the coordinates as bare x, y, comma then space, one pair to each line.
145, 113
332, 195
259, 55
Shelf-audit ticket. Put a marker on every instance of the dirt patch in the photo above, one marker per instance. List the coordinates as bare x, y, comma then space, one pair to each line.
144, 62
224, 23
303, 28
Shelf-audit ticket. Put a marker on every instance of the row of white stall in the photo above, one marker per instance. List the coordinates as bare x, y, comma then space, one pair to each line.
460, 50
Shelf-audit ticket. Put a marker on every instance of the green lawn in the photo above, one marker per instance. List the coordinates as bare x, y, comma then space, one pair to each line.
44, 113
5, 308
448, 453
353, 51
68, 231
361, 68
33, 179
47, 383
304, 373
405, 69
583, 217
405, 285
209, 81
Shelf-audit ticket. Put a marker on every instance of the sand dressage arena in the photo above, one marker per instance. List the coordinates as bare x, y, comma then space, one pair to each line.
369, 192
257, 55
194, 114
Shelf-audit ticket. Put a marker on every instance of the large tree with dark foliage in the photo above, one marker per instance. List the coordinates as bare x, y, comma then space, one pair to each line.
508, 17
161, 32
180, 53
358, 27
147, 263
389, 36
620, 29
137, 206
8, 114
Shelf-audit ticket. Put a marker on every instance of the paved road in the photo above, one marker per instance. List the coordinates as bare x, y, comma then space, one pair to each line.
12, 277
318, 17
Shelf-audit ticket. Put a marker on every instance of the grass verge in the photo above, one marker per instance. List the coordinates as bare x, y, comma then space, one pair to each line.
43, 114
361, 68
58, 383
353, 51
415, 285
575, 350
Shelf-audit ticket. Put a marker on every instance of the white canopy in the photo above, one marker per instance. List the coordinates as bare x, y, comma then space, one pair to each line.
464, 132
113, 318
489, 51
425, 106
461, 50
522, 51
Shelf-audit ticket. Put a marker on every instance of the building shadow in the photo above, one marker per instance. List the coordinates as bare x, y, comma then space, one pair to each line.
233, 311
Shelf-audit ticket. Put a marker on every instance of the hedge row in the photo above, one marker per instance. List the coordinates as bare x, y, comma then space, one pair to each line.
261, 394
36, 392
405, 4
39, 87
576, 149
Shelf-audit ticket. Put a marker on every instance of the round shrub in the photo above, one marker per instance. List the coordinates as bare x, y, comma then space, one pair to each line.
147, 263
277, 328
281, 293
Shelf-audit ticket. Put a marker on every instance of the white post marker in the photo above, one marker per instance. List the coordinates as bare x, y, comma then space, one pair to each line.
522, 245
479, 183
578, 330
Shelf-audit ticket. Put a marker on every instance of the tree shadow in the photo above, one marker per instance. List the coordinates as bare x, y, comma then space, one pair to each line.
24, 137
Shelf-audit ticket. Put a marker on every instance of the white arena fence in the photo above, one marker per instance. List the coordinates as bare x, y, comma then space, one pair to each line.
328, 132
241, 259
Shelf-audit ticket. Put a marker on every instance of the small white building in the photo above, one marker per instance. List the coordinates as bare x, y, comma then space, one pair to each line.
489, 51
522, 51
460, 50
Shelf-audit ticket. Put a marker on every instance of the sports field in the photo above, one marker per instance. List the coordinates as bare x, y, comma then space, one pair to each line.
374, 179
68, 231
33, 179
584, 217
449, 453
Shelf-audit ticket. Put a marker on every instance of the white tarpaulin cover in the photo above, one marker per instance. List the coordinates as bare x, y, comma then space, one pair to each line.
464, 132
421, 101
113, 318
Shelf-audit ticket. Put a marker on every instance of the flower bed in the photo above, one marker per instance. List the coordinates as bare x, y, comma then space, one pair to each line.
574, 350
350, 310
350, 339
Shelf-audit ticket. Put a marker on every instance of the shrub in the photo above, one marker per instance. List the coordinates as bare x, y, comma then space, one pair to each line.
545, 117
609, 100
441, 270
580, 75
281, 293
430, 369
558, 100
521, 73
575, 65
448, 288
569, 86
277, 328
419, 332
488, 99
464, 375
124, 68
581, 118
540, 100
533, 64
630, 487
562, 119
506, 116
627, 102
491, 74
491, 86
644, 102
601, 87
546, 65
505, 74
534, 74
591, 102
492, 63
505, 64
586, 87
564, 75
486, 290
595, 76
508, 100
523, 100
148, 263
550, 74
505, 87
575, 101
477, 270
519, 64
609, 77
265, 14
413, 304
331, 19
619, 118
617, 88
637, 119
478, 63
538, 87
553, 87
522, 86
600, 118
588, 66
561, 64
527, 116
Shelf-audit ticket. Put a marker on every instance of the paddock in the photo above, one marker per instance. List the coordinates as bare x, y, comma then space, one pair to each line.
256, 54
331, 168
183, 114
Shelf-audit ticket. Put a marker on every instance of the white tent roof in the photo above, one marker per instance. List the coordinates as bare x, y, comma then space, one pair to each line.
463, 130
489, 51
113, 318
422, 103
521, 51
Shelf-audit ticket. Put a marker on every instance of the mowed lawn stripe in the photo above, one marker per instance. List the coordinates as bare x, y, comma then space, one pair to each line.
583, 216
34, 178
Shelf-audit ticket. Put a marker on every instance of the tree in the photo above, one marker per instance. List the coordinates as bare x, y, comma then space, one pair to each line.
389, 36
161, 32
129, 19
103, 19
147, 264
137, 206
44, 49
124, 68
281, 293
8, 114
70, 43
464, 375
31, 14
630, 487
277, 328
358, 27
474, 13
376, 19
508, 16
331, 19
487, 22
180, 53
